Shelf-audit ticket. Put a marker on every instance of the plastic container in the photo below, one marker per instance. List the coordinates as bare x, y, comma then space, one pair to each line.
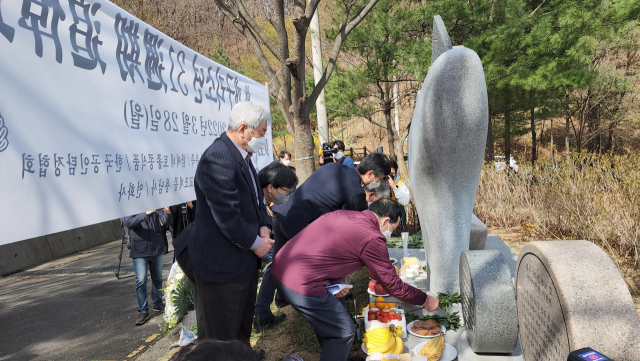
370, 325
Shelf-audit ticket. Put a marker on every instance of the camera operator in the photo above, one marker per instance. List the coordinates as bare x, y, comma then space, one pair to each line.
337, 153
147, 247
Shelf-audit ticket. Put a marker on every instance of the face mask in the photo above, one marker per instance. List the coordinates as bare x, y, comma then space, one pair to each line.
387, 233
373, 184
255, 144
395, 179
369, 203
280, 198
339, 155
286, 162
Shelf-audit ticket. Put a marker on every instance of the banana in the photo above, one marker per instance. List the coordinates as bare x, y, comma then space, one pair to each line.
399, 346
390, 345
377, 338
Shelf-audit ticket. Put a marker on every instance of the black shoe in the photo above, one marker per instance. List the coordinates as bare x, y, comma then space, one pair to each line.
260, 354
269, 320
159, 307
142, 318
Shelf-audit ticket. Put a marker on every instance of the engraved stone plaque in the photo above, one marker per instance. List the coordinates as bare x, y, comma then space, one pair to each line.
543, 332
488, 302
570, 295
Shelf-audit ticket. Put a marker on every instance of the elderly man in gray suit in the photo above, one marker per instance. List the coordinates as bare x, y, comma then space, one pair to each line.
232, 227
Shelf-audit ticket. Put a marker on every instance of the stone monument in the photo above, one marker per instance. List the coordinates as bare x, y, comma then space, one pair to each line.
570, 295
488, 302
446, 147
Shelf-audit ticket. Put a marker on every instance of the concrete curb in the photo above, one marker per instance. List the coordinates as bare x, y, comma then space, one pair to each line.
160, 351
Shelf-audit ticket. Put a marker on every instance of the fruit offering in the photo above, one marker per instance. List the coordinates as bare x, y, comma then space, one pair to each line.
376, 288
433, 349
384, 316
384, 339
381, 305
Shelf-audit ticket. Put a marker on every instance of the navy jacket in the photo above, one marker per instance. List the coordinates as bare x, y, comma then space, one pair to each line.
330, 188
228, 216
146, 233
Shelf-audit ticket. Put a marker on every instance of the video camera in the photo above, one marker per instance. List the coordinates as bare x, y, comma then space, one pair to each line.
327, 153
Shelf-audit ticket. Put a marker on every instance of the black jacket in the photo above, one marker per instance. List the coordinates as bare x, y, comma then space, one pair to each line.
146, 233
228, 216
330, 188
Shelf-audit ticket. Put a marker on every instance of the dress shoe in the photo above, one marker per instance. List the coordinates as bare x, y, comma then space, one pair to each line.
268, 320
142, 318
260, 354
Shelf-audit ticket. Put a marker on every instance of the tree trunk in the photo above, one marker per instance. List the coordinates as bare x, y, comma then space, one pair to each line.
391, 134
551, 146
304, 145
534, 147
567, 147
507, 137
489, 149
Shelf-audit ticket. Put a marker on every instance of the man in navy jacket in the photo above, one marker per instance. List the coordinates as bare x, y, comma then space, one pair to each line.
233, 227
147, 246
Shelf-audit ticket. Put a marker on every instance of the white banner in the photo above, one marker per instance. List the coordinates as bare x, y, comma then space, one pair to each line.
102, 116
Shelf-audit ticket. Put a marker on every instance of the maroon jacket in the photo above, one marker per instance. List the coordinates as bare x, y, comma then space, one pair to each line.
334, 246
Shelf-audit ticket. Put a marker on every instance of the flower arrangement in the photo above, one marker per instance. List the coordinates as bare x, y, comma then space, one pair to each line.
178, 298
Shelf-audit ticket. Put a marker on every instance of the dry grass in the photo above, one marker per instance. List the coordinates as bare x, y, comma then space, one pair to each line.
595, 197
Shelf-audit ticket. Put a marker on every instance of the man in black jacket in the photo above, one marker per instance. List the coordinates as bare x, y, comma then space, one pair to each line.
330, 188
147, 247
232, 227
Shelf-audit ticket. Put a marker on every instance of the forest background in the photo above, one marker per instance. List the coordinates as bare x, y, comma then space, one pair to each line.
562, 79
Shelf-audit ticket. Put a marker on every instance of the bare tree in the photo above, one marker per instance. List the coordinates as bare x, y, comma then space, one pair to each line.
287, 84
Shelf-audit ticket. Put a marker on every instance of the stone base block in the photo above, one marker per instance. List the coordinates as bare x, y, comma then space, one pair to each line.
488, 302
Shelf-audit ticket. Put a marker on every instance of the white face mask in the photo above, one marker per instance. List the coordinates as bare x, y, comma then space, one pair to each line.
255, 144
280, 198
339, 155
369, 203
286, 162
387, 233
373, 184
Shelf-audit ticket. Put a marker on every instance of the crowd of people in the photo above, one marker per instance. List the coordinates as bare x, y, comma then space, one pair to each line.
314, 235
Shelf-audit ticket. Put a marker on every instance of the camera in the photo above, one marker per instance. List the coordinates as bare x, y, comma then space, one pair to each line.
327, 153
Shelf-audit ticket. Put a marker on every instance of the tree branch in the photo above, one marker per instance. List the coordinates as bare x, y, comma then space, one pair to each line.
257, 49
345, 29
244, 14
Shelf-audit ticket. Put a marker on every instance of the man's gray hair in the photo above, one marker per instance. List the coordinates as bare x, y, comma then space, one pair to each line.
249, 113
382, 191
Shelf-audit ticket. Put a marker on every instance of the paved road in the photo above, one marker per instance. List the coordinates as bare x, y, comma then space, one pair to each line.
75, 309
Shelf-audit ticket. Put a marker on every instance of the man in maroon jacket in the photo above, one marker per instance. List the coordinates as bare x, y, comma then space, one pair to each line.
334, 246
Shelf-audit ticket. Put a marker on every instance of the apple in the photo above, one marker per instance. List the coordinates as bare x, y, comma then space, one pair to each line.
372, 285
378, 290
